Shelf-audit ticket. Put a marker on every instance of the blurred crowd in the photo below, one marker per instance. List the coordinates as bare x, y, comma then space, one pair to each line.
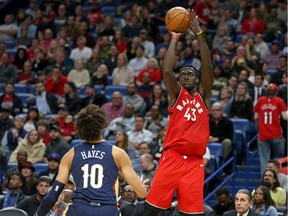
67, 54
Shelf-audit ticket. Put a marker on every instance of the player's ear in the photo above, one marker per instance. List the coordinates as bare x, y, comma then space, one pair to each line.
197, 80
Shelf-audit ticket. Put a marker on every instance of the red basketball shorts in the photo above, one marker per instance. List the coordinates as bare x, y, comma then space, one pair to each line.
185, 174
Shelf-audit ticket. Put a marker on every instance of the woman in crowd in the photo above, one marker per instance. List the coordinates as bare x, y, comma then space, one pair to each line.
79, 76
100, 77
159, 99
121, 139
27, 170
263, 204
226, 100
32, 119
153, 70
33, 145
242, 105
123, 74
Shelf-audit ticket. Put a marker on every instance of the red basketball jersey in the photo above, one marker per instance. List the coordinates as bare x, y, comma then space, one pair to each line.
188, 129
269, 111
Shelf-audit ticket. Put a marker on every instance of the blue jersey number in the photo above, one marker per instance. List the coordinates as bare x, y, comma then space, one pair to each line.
92, 177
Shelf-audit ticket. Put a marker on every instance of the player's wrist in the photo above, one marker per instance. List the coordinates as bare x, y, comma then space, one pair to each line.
175, 36
199, 33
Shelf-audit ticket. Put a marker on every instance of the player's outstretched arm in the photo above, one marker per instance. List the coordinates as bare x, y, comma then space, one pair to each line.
207, 77
124, 164
172, 85
58, 185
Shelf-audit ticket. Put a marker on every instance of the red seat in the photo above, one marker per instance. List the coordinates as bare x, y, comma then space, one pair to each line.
283, 165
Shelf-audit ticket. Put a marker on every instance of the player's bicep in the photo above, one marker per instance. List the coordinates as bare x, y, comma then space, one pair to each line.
65, 167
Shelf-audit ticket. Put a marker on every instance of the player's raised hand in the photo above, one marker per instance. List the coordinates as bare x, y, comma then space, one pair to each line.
194, 23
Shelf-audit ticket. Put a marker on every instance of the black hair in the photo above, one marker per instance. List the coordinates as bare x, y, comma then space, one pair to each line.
196, 72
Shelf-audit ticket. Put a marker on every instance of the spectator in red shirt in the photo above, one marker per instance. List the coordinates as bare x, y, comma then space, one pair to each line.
55, 83
253, 25
43, 130
202, 9
94, 15
153, 70
268, 111
67, 128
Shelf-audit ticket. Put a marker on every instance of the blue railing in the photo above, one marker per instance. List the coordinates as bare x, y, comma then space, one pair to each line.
216, 173
250, 156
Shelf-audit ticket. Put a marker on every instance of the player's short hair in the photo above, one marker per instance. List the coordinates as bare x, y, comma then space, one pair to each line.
90, 123
189, 67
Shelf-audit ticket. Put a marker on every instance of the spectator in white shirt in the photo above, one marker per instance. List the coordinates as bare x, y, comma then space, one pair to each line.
148, 45
140, 61
82, 52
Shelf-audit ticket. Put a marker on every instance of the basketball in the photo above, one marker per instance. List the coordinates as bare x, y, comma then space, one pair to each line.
177, 20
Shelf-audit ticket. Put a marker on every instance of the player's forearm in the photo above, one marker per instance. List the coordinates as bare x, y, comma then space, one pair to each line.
169, 60
207, 77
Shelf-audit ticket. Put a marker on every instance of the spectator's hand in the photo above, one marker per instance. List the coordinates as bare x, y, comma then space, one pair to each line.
15, 132
120, 124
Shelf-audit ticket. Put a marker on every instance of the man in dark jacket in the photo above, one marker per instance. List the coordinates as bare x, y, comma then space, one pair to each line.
221, 129
30, 204
243, 202
15, 194
57, 144
225, 202
93, 97
53, 165
10, 97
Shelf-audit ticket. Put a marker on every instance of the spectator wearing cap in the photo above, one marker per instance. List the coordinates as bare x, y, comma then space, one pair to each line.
268, 111
272, 56
71, 99
148, 45
21, 157
46, 103
5, 121
55, 83
15, 193
13, 136
53, 165
27, 170
93, 97
57, 144
31, 203
140, 61
33, 145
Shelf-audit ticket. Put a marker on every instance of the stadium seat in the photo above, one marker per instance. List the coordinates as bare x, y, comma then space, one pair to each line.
162, 29
31, 89
1, 88
20, 88
24, 97
10, 44
12, 211
75, 142
81, 91
39, 167
8, 154
49, 116
98, 88
108, 10
239, 138
86, 9
11, 52
11, 165
109, 90
212, 101
110, 80
216, 149
271, 72
281, 210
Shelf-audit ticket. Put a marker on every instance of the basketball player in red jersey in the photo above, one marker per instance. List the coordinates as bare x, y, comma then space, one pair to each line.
181, 166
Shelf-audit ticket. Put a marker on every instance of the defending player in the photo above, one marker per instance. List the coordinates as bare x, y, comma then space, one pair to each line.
94, 164
181, 166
